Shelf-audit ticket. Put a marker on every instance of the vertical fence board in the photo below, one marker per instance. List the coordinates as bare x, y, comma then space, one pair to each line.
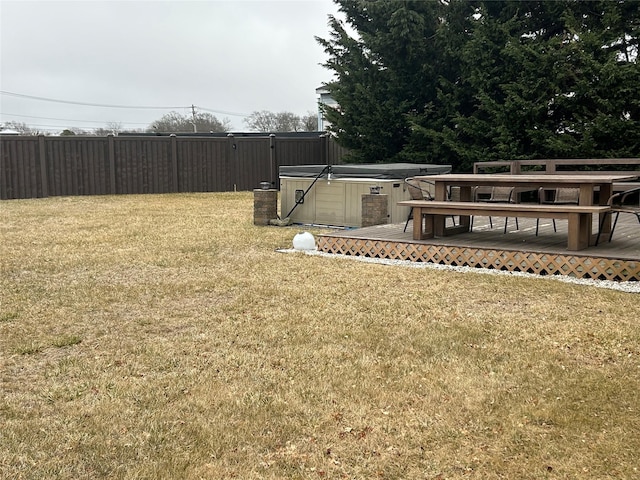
185, 165
5, 185
95, 162
252, 162
335, 151
120, 171
52, 168
112, 164
22, 172
155, 166
220, 166
34, 170
83, 167
128, 171
42, 159
202, 164
74, 166
19, 168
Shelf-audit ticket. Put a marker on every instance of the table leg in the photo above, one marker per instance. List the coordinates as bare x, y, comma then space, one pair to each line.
441, 196
466, 196
579, 231
586, 198
439, 221
605, 192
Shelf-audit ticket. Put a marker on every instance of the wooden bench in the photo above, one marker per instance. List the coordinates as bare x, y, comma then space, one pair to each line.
579, 217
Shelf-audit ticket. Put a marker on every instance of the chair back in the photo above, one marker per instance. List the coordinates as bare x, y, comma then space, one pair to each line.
501, 194
567, 195
481, 193
418, 189
629, 200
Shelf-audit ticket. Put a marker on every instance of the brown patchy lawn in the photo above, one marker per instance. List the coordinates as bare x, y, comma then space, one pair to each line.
162, 336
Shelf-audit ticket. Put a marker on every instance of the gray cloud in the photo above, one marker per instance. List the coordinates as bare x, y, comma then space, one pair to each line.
227, 55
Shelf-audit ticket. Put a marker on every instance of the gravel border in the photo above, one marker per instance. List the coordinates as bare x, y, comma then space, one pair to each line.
629, 287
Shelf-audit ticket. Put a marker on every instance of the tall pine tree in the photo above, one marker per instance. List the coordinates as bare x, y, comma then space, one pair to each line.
381, 75
462, 81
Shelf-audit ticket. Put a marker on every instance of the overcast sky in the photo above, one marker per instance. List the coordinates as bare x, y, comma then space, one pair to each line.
233, 57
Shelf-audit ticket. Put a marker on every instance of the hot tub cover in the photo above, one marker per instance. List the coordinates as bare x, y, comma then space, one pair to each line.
373, 170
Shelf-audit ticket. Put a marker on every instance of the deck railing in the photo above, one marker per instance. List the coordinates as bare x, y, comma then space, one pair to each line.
569, 165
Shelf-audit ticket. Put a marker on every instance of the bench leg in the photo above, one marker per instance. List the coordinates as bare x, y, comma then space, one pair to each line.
579, 231
417, 223
423, 224
429, 225
439, 227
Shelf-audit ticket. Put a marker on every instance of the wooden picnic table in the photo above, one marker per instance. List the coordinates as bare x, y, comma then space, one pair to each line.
587, 185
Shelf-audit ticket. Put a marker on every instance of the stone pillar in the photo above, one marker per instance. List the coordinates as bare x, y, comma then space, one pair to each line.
374, 209
265, 206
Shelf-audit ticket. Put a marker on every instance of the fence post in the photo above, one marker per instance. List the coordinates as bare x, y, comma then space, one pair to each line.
111, 154
325, 148
234, 160
272, 152
549, 166
43, 165
174, 162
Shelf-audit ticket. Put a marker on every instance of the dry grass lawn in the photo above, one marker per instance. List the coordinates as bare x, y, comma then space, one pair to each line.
163, 337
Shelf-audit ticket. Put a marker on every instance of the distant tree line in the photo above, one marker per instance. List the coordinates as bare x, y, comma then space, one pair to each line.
265, 121
461, 81
203, 122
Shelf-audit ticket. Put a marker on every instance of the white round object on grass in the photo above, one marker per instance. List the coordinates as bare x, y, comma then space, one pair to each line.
304, 241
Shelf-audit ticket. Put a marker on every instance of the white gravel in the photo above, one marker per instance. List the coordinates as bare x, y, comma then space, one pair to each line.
630, 287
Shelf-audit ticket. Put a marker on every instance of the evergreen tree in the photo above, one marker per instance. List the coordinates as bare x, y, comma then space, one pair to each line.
380, 75
464, 81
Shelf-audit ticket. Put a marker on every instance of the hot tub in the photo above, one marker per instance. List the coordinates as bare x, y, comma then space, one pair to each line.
336, 200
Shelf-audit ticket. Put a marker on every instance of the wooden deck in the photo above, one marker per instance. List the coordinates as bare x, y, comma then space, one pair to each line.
485, 247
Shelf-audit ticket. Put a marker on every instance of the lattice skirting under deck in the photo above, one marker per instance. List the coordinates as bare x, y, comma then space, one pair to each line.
578, 266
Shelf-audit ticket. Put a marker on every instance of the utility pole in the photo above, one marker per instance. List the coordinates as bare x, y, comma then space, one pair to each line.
193, 115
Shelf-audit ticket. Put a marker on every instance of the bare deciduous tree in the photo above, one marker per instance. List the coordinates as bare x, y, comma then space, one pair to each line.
263, 121
174, 122
310, 122
20, 127
267, 122
112, 128
71, 131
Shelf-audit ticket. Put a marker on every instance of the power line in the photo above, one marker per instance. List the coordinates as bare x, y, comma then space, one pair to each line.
52, 127
70, 119
130, 107
71, 102
222, 112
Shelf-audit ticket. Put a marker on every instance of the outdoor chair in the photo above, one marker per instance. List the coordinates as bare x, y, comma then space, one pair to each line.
557, 196
420, 189
497, 195
622, 202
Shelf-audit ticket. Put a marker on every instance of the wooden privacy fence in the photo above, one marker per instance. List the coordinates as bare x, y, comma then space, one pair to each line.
42, 166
